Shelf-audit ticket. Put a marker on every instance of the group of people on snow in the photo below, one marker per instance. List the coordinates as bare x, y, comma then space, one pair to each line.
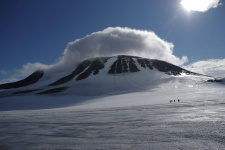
174, 100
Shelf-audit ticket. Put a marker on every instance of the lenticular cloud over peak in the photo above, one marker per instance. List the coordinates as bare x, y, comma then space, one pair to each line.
109, 42
119, 41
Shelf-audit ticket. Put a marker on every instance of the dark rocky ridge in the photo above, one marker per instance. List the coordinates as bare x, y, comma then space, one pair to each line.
169, 69
33, 78
215, 80
94, 67
53, 91
145, 63
91, 66
77, 71
26, 91
123, 64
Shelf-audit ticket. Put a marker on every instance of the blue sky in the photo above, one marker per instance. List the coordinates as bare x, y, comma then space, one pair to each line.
39, 30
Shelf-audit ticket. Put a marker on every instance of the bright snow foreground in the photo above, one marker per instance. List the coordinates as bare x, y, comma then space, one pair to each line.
143, 119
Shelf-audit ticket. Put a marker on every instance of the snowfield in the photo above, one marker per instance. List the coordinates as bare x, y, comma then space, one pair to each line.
195, 125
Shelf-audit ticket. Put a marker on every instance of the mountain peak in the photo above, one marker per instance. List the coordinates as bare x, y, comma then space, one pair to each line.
122, 64
121, 69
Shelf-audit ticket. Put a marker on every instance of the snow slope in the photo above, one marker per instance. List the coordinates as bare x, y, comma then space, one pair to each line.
185, 88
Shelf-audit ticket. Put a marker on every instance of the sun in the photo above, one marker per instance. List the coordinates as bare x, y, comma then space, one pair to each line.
197, 5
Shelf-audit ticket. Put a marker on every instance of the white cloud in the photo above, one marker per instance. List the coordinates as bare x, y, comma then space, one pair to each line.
7, 80
109, 42
29, 68
200, 5
212, 67
25, 71
116, 41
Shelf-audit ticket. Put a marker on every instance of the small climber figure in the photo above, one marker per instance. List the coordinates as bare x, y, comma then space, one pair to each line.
178, 100
170, 101
174, 100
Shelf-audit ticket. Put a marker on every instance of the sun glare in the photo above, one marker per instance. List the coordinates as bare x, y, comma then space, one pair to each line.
198, 5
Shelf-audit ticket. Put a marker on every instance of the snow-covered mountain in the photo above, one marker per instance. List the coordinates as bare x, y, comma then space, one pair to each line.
117, 81
101, 76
